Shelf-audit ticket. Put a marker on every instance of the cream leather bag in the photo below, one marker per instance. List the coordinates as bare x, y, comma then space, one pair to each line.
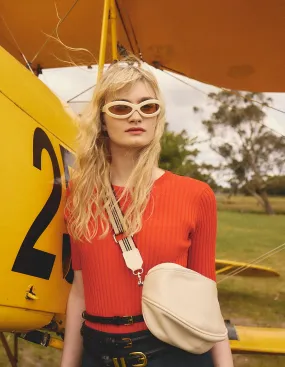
179, 306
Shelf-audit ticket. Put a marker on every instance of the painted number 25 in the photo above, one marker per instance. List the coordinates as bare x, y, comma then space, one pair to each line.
31, 261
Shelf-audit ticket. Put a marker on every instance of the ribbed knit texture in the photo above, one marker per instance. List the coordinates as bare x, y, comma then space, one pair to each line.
179, 226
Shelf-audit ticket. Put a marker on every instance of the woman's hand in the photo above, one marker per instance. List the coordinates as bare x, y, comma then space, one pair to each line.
222, 355
72, 348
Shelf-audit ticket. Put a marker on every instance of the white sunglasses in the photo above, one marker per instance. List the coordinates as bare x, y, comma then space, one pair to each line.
123, 109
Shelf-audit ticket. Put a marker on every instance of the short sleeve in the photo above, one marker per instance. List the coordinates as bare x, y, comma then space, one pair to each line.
75, 246
202, 252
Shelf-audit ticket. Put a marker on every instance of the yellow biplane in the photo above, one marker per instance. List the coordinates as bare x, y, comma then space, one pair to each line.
208, 41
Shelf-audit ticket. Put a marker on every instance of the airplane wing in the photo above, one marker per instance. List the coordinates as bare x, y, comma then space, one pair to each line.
229, 44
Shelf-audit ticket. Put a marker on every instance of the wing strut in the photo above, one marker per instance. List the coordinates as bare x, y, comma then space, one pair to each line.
13, 358
109, 16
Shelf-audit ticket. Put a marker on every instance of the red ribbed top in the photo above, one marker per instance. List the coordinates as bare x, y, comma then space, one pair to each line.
179, 226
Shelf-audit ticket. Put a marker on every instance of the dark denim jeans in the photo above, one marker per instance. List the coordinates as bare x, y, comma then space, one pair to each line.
172, 358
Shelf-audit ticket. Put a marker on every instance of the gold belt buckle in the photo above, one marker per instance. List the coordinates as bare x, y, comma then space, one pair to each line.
129, 342
142, 359
130, 320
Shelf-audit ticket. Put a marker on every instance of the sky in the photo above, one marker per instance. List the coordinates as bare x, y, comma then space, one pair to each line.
179, 98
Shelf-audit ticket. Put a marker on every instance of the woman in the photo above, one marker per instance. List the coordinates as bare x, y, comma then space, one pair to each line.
172, 218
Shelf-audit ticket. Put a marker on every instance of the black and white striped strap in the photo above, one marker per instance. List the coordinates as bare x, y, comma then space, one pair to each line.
130, 252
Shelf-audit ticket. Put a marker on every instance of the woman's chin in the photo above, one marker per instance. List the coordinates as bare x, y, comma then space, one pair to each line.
133, 144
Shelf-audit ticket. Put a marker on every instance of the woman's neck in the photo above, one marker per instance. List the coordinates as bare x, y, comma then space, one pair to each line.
123, 163
121, 169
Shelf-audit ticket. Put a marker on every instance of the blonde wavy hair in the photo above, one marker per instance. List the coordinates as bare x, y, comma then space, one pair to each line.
90, 180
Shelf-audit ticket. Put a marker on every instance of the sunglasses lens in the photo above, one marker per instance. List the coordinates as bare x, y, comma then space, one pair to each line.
150, 108
120, 109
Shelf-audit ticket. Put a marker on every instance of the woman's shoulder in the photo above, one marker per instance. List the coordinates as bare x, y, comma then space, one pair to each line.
178, 182
189, 190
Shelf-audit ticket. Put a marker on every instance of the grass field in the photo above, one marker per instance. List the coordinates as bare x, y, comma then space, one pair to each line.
249, 301
246, 301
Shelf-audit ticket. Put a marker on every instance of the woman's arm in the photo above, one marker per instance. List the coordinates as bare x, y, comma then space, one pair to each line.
72, 349
202, 251
202, 254
222, 355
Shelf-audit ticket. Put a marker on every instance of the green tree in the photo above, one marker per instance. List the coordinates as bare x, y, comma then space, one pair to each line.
250, 151
275, 186
178, 156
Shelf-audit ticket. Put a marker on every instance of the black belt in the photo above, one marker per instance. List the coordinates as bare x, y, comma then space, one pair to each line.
133, 359
121, 350
115, 320
111, 342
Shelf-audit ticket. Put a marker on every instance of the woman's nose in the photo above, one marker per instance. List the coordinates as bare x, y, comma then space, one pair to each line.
135, 117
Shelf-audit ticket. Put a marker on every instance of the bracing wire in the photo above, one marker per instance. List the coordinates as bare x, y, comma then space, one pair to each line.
17, 45
185, 82
254, 262
78, 95
233, 92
